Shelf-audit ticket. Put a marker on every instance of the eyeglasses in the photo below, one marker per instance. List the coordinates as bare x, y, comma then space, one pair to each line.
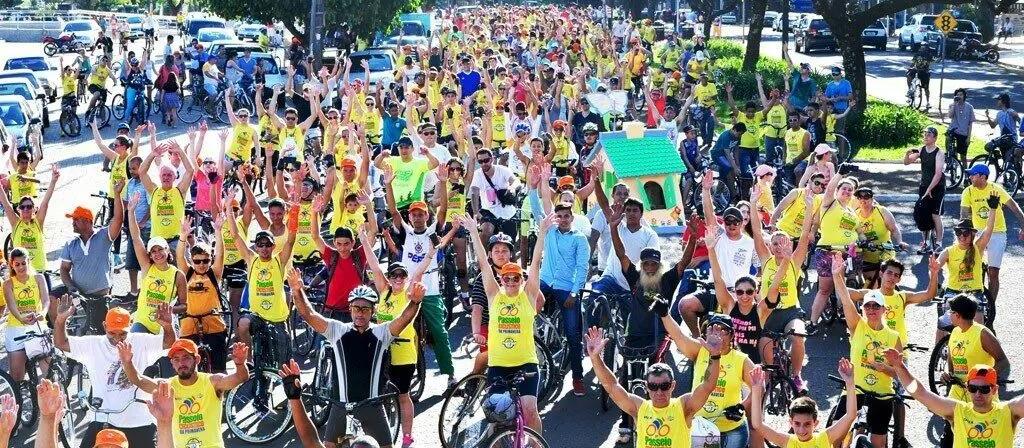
26, 207
745, 292
200, 261
984, 390
484, 161
654, 387
397, 275
264, 245
360, 309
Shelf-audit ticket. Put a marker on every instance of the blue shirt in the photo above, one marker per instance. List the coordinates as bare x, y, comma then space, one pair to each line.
247, 67
691, 151
1004, 119
726, 142
801, 92
839, 88
470, 82
90, 261
566, 260
394, 127
134, 186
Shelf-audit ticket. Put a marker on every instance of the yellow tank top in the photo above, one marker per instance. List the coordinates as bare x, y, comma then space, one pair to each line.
766, 201
561, 147
341, 217
341, 148
21, 186
498, 125
838, 225
201, 298
895, 313
118, 172
392, 304
304, 246
830, 128
965, 351
874, 229
268, 134
510, 333
197, 413
972, 429
819, 440
727, 389
749, 139
451, 117
960, 276
662, 427
374, 126
241, 145
166, 209
26, 298
231, 254
792, 219
776, 117
293, 142
158, 288
29, 236
866, 347
266, 290
456, 205
788, 287
794, 142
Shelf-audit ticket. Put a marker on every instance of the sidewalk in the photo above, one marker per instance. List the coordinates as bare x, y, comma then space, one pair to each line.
1011, 53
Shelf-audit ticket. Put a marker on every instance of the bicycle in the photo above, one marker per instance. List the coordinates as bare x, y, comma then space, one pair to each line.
779, 387
606, 315
845, 151
858, 435
140, 110
257, 410
703, 118
721, 197
39, 346
353, 429
100, 112
552, 357
205, 361
70, 124
954, 168
938, 362
1002, 156
915, 94
104, 214
469, 427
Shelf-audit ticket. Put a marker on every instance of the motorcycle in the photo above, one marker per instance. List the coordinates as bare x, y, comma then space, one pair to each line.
62, 44
974, 49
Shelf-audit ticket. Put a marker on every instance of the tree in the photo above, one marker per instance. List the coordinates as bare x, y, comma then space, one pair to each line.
753, 53
706, 9
174, 6
848, 18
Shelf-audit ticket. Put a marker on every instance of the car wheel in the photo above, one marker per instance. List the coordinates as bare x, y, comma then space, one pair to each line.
881, 47
900, 44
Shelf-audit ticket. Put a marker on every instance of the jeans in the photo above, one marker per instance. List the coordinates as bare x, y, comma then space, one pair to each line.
774, 147
737, 438
748, 161
433, 311
572, 320
130, 95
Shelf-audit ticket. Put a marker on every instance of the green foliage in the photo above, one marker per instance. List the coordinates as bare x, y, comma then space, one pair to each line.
888, 125
724, 48
773, 70
364, 17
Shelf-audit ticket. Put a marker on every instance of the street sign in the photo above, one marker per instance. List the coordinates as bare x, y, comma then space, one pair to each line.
945, 22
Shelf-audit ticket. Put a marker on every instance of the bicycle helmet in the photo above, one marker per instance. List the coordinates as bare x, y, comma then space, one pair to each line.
134, 61
522, 128
363, 292
123, 127
590, 127
500, 238
499, 408
718, 319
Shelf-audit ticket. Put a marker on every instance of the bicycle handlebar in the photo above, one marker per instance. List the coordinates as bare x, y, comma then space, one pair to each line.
869, 393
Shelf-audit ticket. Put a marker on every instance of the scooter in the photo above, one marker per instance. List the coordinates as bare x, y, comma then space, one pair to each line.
974, 49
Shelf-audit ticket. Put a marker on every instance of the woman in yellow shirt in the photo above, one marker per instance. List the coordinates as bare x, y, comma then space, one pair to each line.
162, 283
203, 322
803, 415
26, 295
963, 260
27, 221
838, 225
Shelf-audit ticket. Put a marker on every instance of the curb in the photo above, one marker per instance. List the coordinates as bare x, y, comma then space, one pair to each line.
906, 197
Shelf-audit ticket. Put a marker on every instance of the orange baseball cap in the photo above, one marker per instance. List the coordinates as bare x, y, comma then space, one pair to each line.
418, 205
118, 319
559, 124
511, 268
183, 345
982, 372
566, 181
111, 437
80, 213
347, 162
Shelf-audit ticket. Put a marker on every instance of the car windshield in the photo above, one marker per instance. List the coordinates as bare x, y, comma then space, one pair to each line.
34, 64
378, 62
213, 35
928, 20
967, 27
269, 66
80, 26
19, 89
11, 114
135, 20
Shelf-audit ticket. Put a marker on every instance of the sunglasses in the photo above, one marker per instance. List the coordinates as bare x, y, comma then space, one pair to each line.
397, 275
428, 133
654, 387
745, 292
511, 279
361, 309
209, 162
200, 261
818, 183
26, 207
984, 390
484, 161
962, 232
264, 245
243, 117
732, 222
292, 118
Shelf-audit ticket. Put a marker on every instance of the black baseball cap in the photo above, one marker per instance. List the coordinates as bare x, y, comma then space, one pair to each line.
264, 235
650, 254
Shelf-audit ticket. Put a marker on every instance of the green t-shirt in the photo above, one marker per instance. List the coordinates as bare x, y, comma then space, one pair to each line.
408, 183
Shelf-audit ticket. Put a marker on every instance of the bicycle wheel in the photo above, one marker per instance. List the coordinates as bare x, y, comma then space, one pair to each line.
392, 412
938, 364
509, 439
302, 336
66, 429
1010, 180
779, 394
993, 164
323, 383
70, 124
140, 112
117, 106
721, 197
419, 377
551, 377
845, 152
191, 110
462, 422
257, 410
954, 172
29, 412
9, 387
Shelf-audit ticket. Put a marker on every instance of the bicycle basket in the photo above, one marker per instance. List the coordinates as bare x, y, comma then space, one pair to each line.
499, 408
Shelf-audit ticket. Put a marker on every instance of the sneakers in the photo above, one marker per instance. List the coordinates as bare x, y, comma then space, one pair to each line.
407, 441
578, 389
625, 435
799, 383
464, 301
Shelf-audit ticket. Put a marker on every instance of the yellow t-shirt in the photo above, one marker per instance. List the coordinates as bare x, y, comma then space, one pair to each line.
959, 276
26, 298
972, 429
167, 209
293, 142
266, 290
29, 236
408, 183
99, 76
662, 427
341, 217
69, 83
977, 200
818, 440
451, 119
158, 288
456, 204
22, 185
838, 225
727, 389
874, 229
197, 413
635, 63
304, 246
866, 348
231, 254
241, 145
510, 333
118, 172
788, 286
403, 352
200, 299
374, 125
707, 95
792, 219
749, 138
794, 142
694, 68
777, 119
895, 313
965, 351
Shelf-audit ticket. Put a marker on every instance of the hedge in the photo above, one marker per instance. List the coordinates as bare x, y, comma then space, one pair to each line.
887, 125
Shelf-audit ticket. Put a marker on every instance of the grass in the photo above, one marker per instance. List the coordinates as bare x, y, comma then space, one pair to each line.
895, 154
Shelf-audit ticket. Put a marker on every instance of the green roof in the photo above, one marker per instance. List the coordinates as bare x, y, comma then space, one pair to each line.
643, 156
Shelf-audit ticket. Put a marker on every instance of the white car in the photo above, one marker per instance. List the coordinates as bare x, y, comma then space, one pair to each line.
134, 27
23, 89
207, 36
769, 18
915, 31
382, 63
15, 114
46, 70
86, 31
250, 31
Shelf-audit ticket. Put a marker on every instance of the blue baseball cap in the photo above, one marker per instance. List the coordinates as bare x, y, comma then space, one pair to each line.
978, 169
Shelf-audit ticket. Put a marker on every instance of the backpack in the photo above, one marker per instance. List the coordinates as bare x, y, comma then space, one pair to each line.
923, 216
211, 277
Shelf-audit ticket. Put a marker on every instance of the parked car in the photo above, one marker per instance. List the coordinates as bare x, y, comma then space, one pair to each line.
134, 30
770, 17
964, 29
249, 31
794, 17
85, 31
382, 66
193, 26
875, 35
26, 74
729, 18
224, 48
46, 71
913, 33
24, 89
207, 36
17, 119
275, 76
814, 35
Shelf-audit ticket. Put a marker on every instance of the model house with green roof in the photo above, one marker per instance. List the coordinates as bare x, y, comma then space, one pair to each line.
650, 167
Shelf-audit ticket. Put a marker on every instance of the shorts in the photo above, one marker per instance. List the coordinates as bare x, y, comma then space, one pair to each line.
722, 162
823, 262
93, 88
507, 226
236, 274
150, 33
282, 345
779, 319
944, 321
372, 419
996, 248
530, 387
401, 376
879, 412
15, 332
708, 301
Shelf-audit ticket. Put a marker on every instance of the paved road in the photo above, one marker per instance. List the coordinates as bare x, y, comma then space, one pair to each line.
574, 421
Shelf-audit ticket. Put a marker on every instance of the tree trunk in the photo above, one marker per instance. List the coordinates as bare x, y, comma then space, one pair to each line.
635, 8
707, 26
290, 25
753, 52
851, 47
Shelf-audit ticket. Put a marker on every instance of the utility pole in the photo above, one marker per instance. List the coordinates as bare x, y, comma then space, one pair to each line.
785, 25
315, 31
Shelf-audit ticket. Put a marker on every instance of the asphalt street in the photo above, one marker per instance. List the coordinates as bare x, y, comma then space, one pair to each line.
577, 421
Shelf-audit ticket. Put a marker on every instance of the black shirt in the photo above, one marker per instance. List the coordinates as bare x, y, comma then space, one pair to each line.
643, 327
746, 332
578, 121
817, 130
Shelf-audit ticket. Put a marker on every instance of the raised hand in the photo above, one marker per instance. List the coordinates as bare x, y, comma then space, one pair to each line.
162, 404
595, 341
224, 134
757, 375
846, 369
933, 265
711, 236
295, 279
8, 413
51, 399
163, 315
838, 266
416, 292
239, 353
708, 180
134, 202
118, 186
124, 352
389, 174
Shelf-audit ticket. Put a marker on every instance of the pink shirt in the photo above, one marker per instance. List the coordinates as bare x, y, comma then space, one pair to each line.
203, 186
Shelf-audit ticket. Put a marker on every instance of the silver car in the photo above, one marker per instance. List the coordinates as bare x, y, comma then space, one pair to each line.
15, 116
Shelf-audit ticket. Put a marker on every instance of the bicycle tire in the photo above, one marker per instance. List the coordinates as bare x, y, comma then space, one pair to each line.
140, 112
29, 410
845, 151
9, 387
191, 110
117, 106
70, 124
551, 376
102, 114
419, 378
239, 423
1011, 181
323, 382
994, 167
507, 439
938, 364
778, 394
954, 172
465, 401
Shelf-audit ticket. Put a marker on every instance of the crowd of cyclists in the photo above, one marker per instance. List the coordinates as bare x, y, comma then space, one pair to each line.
292, 268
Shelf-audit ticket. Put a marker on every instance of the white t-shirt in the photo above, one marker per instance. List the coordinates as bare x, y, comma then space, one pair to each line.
110, 383
735, 257
502, 178
414, 249
514, 163
634, 242
440, 152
